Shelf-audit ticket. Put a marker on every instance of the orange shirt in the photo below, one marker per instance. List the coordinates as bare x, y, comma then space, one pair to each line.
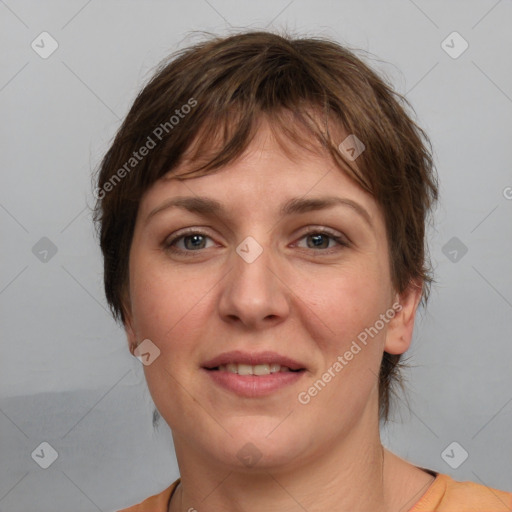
443, 495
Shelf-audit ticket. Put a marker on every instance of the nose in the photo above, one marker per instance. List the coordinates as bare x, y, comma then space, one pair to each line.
254, 295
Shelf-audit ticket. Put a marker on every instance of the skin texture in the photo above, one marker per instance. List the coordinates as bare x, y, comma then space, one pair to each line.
304, 302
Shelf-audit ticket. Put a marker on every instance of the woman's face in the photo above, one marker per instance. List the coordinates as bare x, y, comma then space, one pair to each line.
267, 255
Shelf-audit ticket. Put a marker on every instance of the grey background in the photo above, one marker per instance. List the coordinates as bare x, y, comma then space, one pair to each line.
66, 375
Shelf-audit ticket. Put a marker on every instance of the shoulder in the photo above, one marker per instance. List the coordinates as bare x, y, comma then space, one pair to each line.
156, 503
448, 495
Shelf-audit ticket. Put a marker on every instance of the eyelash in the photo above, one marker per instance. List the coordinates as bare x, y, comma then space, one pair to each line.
168, 244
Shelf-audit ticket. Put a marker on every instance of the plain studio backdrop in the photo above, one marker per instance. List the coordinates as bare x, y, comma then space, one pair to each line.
69, 72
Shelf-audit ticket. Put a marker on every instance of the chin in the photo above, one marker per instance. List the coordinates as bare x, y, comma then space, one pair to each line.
262, 448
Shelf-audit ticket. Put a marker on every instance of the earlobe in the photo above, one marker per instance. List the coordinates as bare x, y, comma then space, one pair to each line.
400, 328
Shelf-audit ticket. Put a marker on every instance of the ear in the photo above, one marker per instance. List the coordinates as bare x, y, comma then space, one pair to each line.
129, 326
401, 326
130, 334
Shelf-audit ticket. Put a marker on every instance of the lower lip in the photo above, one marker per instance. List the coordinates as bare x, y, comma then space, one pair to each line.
253, 386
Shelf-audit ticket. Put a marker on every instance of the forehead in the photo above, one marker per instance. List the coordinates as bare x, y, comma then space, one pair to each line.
271, 170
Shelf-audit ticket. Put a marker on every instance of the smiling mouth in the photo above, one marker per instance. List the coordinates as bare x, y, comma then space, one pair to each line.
257, 369
253, 375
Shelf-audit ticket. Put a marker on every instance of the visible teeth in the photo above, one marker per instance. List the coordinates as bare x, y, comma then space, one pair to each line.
245, 369
261, 369
257, 369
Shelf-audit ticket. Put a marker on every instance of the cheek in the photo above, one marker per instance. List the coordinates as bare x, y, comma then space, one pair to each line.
345, 301
163, 297
349, 306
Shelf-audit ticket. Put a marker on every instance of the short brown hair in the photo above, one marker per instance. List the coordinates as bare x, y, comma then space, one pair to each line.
218, 90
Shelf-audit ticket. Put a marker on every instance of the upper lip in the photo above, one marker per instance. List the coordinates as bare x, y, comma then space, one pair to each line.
254, 358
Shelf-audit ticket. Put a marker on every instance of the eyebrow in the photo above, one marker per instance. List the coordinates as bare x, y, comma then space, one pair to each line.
209, 207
